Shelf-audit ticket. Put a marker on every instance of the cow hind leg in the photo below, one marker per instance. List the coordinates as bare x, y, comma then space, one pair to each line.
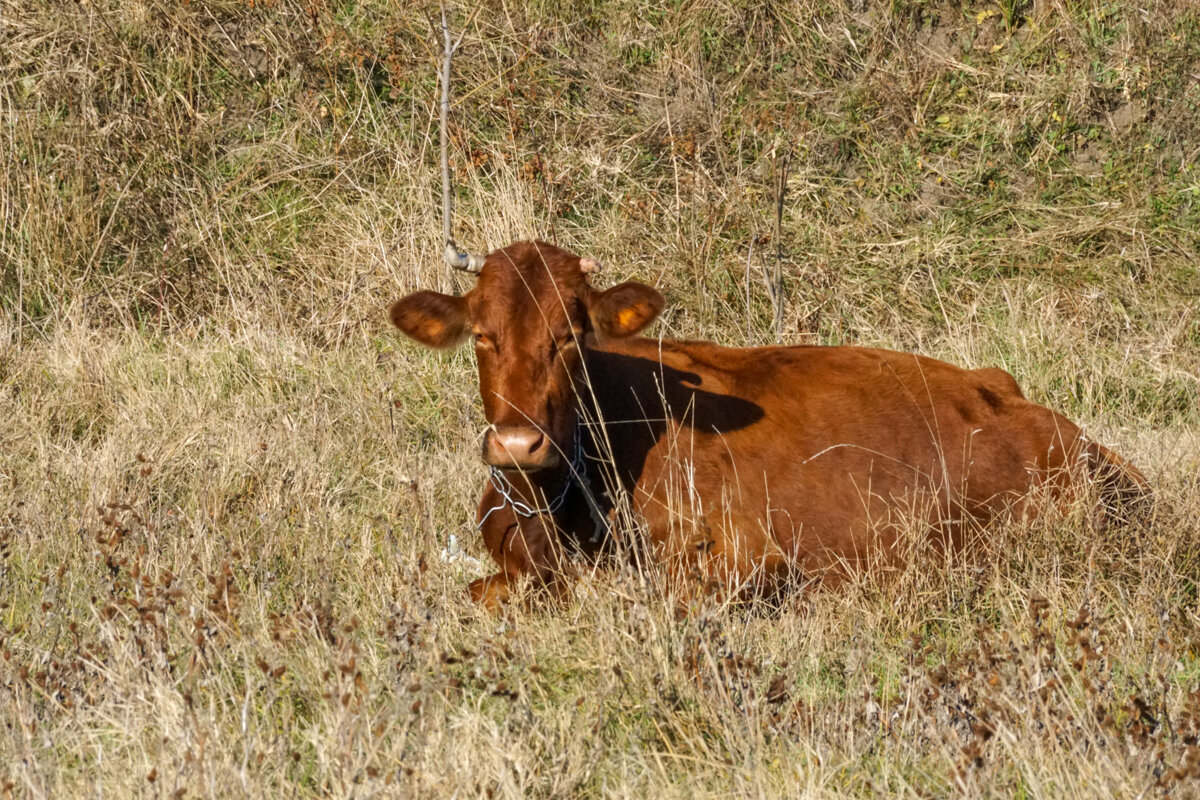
1124, 493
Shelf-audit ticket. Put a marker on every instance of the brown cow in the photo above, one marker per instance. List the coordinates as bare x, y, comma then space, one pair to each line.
741, 464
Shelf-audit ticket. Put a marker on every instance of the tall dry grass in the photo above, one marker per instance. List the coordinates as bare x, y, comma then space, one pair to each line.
227, 491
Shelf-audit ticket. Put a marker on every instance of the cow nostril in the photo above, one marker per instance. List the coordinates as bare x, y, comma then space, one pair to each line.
518, 447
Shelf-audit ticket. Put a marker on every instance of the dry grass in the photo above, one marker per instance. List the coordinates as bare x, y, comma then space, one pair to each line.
227, 490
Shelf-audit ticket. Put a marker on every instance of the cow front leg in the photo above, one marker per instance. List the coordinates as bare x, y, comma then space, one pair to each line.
522, 547
492, 593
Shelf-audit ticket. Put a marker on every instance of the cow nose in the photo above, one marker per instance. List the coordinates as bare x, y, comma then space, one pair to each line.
518, 447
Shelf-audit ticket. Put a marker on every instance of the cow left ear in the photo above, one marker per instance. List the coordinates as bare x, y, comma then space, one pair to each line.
624, 309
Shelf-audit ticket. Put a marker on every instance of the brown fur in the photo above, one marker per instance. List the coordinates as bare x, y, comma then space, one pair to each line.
747, 466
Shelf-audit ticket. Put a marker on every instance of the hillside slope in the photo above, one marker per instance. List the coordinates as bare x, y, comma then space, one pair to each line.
235, 505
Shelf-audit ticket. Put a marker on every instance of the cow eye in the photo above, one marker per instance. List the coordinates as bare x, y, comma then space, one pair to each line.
563, 342
483, 340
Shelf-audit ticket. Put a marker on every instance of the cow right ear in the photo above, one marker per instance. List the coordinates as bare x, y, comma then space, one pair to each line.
433, 319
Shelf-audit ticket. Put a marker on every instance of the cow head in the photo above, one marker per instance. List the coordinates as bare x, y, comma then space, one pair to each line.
531, 315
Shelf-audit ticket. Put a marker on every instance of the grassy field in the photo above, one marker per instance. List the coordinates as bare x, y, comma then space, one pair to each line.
235, 507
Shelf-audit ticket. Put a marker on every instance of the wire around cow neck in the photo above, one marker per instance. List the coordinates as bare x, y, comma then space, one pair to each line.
577, 474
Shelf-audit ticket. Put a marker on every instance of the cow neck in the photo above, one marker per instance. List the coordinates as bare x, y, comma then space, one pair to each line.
575, 473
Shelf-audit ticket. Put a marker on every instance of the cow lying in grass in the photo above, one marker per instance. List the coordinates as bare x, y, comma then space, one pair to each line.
746, 466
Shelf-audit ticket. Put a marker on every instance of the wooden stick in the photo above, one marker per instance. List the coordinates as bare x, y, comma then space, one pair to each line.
783, 175
447, 53
749, 256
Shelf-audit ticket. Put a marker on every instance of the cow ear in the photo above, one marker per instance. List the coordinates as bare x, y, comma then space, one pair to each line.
625, 309
433, 319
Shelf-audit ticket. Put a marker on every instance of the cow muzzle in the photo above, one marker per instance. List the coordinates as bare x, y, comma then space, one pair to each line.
519, 447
